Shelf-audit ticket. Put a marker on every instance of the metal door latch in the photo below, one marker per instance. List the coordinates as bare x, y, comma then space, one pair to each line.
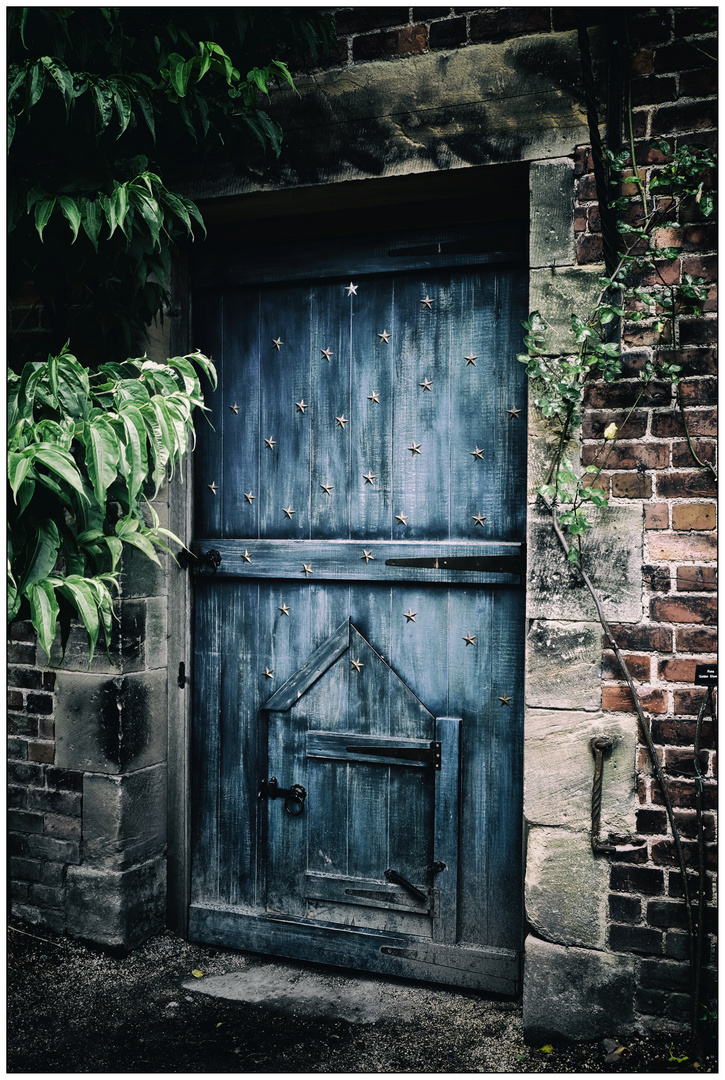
600, 745
200, 562
294, 797
397, 879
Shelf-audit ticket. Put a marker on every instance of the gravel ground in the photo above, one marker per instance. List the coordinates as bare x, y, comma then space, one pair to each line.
76, 1008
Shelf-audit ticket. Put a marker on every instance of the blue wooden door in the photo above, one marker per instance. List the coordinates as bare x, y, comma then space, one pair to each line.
360, 631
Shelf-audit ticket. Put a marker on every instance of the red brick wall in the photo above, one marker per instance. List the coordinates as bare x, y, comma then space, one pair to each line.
672, 91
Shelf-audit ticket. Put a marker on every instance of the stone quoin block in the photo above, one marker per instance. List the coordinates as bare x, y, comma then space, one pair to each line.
110, 724
124, 817
576, 993
551, 237
120, 908
559, 769
566, 888
563, 662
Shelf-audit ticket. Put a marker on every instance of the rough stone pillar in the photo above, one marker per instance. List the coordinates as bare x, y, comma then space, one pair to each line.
572, 985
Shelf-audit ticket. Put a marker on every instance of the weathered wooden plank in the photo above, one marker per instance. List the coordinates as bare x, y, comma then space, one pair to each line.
367, 892
284, 483
208, 465
205, 746
331, 419
315, 666
239, 404
372, 393
345, 560
447, 810
340, 258
341, 746
486, 970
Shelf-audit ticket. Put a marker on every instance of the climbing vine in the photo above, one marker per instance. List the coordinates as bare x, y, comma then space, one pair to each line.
637, 288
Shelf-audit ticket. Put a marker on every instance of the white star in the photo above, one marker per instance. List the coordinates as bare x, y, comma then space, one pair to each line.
248, 496
470, 639
427, 302
284, 609
327, 488
385, 336
410, 615
270, 442
478, 519
477, 454
268, 673
278, 343
426, 384
289, 511
505, 700
341, 421
367, 556
415, 448
351, 289
246, 556
234, 408
357, 664
327, 353
374, 397
301, 406
402, 518
369, 476
307, 570
470, 359
212, 487
514, 413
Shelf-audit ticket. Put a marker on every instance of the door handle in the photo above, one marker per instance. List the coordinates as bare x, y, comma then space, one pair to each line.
294, 797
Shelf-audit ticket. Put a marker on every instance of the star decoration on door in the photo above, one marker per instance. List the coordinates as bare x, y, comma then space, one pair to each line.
246, 556
427, 303
341, 421
426, 384
402, 519
278, 343
284, 609
470, 639
212, 487
410, 615
351, 289
478, 519
327, 488
234, 408
385, 336
415, 448
476, 454
289, 511
248, 496
270, 442
369, 476
374, 397
301, 406
327, 353
367, 556
306, 570
357, 664
505, 700
470, 359
268, 673
514, 412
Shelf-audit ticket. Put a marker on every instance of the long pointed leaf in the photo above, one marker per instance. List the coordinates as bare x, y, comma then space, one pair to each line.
44, 556
43, 613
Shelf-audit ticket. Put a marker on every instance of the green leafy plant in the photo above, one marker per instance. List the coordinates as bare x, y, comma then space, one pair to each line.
637, 289
82, 447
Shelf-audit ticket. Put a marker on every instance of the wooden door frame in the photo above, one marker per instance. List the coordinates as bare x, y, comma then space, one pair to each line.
485, 193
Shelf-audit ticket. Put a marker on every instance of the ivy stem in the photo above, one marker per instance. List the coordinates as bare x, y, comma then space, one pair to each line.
702, 464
